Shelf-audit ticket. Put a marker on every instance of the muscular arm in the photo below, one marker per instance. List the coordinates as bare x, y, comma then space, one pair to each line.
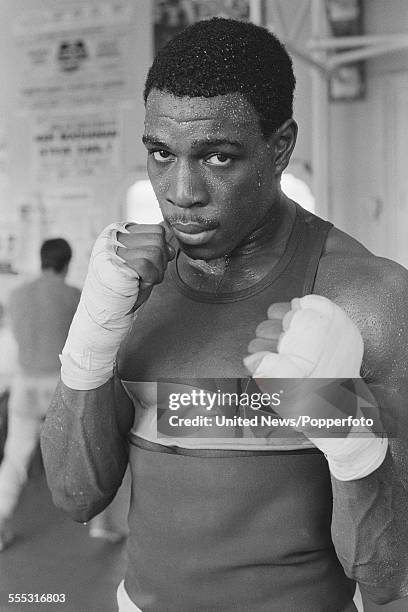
369, 525
84, 446
84, 439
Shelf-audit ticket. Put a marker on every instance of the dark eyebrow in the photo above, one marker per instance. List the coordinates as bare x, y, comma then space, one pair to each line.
153, 142
196, 144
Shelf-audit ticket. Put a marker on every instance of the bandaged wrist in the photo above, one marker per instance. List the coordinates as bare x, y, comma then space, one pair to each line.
103, 316
362, 446
342, 419
356, 458
362, 449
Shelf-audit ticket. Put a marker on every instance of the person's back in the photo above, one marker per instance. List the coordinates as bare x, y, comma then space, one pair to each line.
41, 312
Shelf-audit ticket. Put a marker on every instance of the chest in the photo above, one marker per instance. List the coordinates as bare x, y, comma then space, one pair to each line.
179, 337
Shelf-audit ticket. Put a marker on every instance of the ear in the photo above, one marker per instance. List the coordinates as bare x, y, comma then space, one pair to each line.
284, 140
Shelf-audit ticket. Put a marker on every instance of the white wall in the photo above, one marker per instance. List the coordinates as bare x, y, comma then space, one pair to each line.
367, 152
365, 136
95, 196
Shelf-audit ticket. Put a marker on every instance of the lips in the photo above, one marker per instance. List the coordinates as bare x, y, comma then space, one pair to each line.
191, 227
193, 233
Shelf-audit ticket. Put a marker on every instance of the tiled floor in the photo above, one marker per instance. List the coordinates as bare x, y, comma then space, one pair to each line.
52, 554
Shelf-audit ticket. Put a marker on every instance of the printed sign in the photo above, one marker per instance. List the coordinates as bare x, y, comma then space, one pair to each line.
73, 56
72, 146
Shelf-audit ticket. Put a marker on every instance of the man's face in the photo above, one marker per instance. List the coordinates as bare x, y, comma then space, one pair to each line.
211, 169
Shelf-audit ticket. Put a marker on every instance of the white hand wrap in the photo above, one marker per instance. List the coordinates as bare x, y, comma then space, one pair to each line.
321, 341
102, 318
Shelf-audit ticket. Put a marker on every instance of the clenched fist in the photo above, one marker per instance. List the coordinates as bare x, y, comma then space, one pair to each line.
144, 249
127, 260
310, 337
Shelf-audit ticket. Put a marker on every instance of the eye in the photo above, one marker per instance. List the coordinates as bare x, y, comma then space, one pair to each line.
219, 159
161, 156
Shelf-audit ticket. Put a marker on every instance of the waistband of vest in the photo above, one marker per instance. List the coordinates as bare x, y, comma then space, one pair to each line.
210, 453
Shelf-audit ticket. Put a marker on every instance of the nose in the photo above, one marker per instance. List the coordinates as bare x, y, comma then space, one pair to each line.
186, 186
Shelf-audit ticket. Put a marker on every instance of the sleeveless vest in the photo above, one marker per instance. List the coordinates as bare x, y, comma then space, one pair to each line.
214, 529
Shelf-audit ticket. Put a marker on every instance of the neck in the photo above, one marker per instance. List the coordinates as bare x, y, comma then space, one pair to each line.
249, 262
50, 272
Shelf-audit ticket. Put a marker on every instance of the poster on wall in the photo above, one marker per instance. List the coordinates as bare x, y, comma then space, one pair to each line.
172, 16
72, 146
73, 55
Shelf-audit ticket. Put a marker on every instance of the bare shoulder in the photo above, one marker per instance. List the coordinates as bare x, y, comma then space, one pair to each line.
346, 266
374, 293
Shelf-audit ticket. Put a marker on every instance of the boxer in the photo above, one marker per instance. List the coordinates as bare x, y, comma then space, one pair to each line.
239, 286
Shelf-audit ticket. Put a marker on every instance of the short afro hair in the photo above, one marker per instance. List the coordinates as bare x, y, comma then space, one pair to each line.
221, 56
55, 254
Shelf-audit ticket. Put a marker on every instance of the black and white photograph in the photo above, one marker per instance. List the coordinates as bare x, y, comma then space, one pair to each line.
203, 306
